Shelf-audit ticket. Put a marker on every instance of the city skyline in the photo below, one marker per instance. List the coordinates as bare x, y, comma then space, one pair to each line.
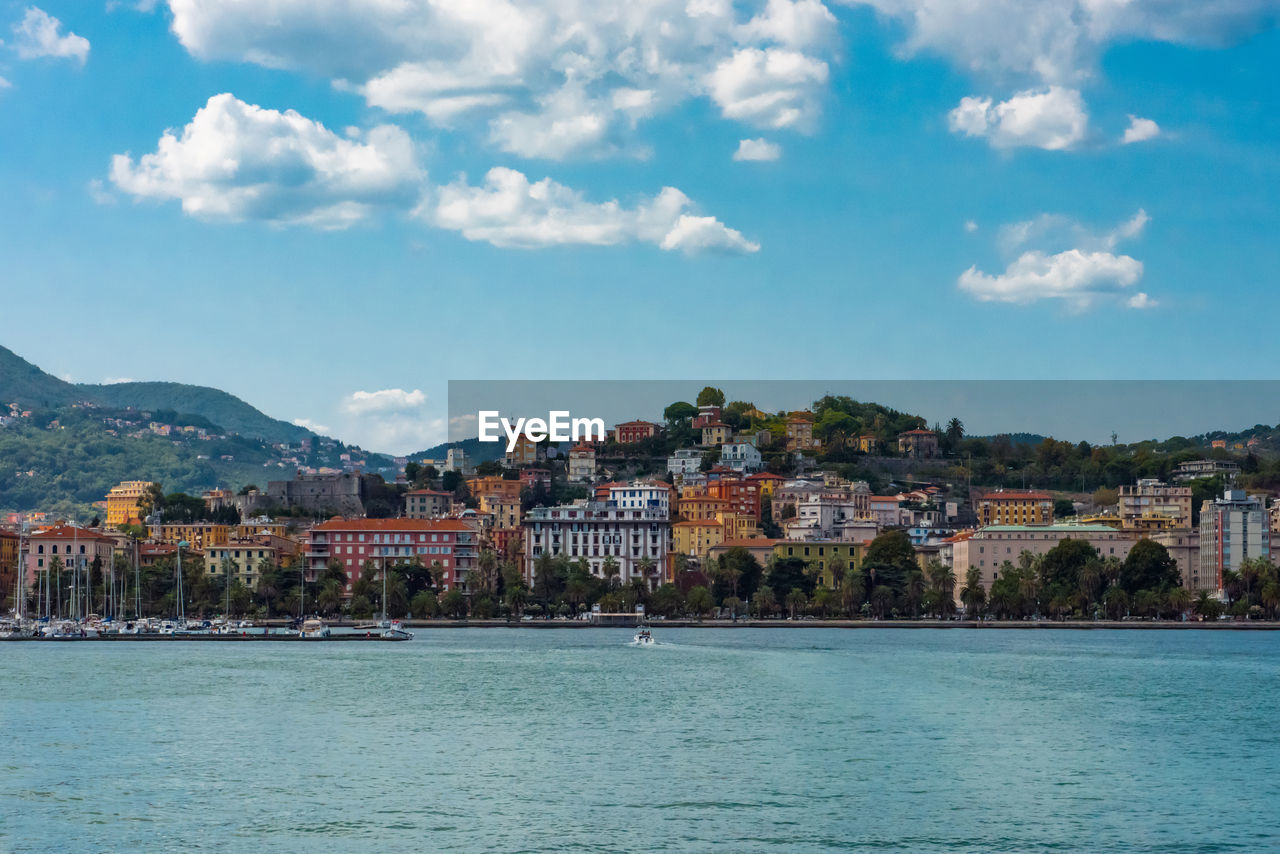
1023, 191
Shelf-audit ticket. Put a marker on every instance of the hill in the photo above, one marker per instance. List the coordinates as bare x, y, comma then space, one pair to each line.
23, 383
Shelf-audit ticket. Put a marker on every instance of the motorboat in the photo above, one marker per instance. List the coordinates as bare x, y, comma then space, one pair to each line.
395, 630
313, 628
643, 638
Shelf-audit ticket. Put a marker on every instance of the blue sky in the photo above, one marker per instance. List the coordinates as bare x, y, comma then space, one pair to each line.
951, 195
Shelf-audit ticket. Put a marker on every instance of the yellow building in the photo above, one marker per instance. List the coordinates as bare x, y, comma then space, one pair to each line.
820, 553
240, 558
699, 508
767, 481
122, 503
246, 531
479, 487
198, 535
525, 453
1013, 507
867, 443
738, 526
716, 433
506, 511
695, 539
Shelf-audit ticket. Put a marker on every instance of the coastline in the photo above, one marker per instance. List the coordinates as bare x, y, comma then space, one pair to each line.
1024, 625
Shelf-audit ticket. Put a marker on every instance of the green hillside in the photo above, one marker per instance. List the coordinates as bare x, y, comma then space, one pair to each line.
23, 383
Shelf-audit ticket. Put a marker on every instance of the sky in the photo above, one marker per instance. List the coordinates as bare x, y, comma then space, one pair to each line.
331, 208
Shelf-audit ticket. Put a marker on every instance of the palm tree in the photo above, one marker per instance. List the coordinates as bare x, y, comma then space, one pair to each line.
973, 594
484, 580
1271, 598
611, 570
942, 579
765, 602
881, 601
823, 600
913, 593
1179, 600
796, 601
648, 569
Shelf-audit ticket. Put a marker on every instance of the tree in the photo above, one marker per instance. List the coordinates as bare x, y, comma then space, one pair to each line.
454, 603
942, 581
955, 431
796, 601
1061, 566
666, 601
699, 601
889, 559
1148, 567
973, 594
425, 604
710, 396
787, 574
881, 600
1063, 508
679, 411
764, 603
1116, 603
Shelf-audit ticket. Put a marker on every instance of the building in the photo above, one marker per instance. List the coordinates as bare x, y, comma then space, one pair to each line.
493, 485
1275, 515
630, 432
534, 479
685, 461
598, 531
918, 444
1014, 507
197, 535
696, 538
760, 548
341, 493
505, 511
1233, 529
767, 482
988, 548
1150, 505
715, 434
867, 443
9, 545
123, 503
1193, 469
73, 546
242, 558
640, 494
455, 459
427, 503
886, 510
742, 457
582, 463
741, 495
452, 543
1183, 546
707, 414
525, 453
800, 433
820, 554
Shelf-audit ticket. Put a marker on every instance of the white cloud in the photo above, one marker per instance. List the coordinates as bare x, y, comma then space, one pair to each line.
5, 84
117, 380
508, 210
313, 426
1052, 119
37, 35
1080, 275
757, 149
773, 88
1060, 41
99, 192
236, 161
970, 226
552, 79
385, 400
1140, 130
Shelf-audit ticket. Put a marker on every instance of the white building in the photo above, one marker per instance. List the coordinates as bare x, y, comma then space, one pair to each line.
641, 495
741, 456
685, 461
1233, 529
596, 531
582, 464
456, 460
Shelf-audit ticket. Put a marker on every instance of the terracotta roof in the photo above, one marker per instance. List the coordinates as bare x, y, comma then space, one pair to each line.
70, 532
426, 525
765, 475
428, 492
1014, 495
706, 523
753, 543
918, 432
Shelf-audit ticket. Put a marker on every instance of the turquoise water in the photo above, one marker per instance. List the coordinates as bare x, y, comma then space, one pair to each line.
727, 740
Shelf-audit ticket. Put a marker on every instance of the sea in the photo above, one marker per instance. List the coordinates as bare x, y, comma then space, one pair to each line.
737, 740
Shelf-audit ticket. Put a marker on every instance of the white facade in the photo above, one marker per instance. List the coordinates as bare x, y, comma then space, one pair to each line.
685, 461
641, 495
596, 531
582, 465
741, 456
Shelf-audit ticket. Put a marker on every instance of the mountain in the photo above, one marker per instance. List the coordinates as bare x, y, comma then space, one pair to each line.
477, 451
23, 383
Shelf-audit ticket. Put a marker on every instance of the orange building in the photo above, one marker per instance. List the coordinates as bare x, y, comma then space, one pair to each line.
492, 485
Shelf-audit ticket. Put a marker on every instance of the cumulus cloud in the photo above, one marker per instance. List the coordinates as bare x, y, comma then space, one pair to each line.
39, 34
508, 210
237, 161
1052, 119
5, 84
1140, 130
757, 149
1060, 41
384, 400
1080, 276
552, 79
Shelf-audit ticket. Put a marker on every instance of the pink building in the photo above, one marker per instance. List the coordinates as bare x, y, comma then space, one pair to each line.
73, 546
452, 543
